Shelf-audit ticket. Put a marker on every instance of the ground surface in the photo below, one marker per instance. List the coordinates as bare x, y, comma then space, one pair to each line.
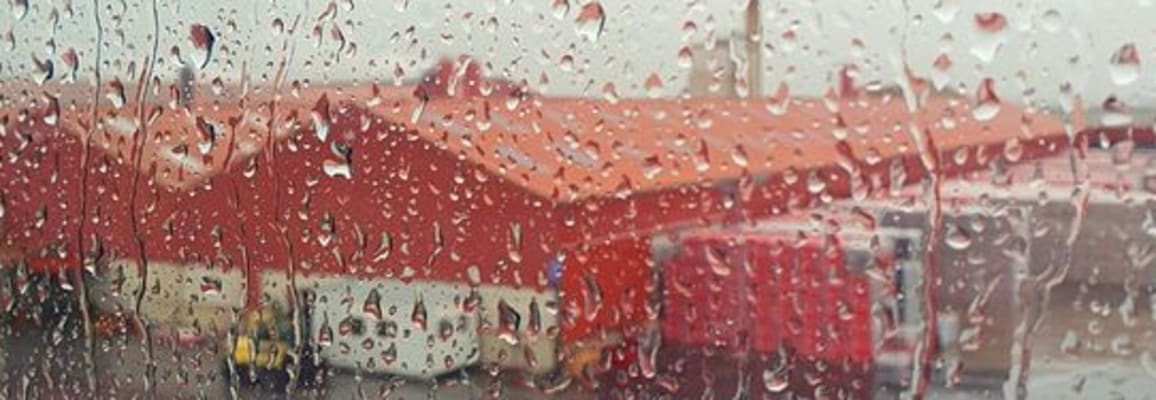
41, 365
194, 373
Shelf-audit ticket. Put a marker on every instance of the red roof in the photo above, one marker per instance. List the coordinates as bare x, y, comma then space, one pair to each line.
565, 149
571, 149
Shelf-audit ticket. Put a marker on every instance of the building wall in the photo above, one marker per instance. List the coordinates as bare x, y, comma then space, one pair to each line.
410, 212
606, 286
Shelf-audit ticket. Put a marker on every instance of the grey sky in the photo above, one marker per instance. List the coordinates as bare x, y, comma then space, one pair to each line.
1046, 42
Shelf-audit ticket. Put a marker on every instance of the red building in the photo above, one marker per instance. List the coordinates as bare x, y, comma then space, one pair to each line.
456, 179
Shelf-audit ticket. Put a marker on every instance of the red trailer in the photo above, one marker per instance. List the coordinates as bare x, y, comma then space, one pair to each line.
765, 295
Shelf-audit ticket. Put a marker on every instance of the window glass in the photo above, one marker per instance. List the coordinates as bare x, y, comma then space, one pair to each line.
577, 199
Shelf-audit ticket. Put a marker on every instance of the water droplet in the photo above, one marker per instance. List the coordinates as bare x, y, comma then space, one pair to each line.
1122, 345
387, 329
991, 22
372, 306
321, 118
1095, 327
346, 326
115, 94
72, 62
991, 25
250, 169
957, 238
653, 85
685, 57
946, 10
670, 383
400, 5
739, 156
1115, 112
816, 184
19, 9
471, 302
1125, 65
528, 355
390, 354
1148, 361
1070, 344
940, 74
325, 334
946, 42
790, 176
591, 21
780, 101
1013, 150
561, 8
566, 63
419, 316
278, 26
45, 70
872, 156
790, 39
509, 322
689, 29
336, 169
592, 296
445, 330
716, 260
52, 112
210, 285
535, 325
203, 41
987, 104
652, 166
218, 86
775, 381
1051, 21
609, 92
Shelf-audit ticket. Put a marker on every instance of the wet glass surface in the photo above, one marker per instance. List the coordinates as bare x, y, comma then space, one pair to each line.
710, 199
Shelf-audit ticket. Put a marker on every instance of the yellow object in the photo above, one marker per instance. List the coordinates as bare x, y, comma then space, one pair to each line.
261, 339
581, 360
587, 352
243, 350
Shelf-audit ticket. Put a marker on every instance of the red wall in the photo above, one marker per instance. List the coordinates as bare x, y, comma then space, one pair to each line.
761, 292
605, 285
287, 209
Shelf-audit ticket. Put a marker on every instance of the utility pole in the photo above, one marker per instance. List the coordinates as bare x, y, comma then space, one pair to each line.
754, 34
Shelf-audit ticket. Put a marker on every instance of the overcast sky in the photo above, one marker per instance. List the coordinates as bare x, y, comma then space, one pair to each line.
1045, 43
